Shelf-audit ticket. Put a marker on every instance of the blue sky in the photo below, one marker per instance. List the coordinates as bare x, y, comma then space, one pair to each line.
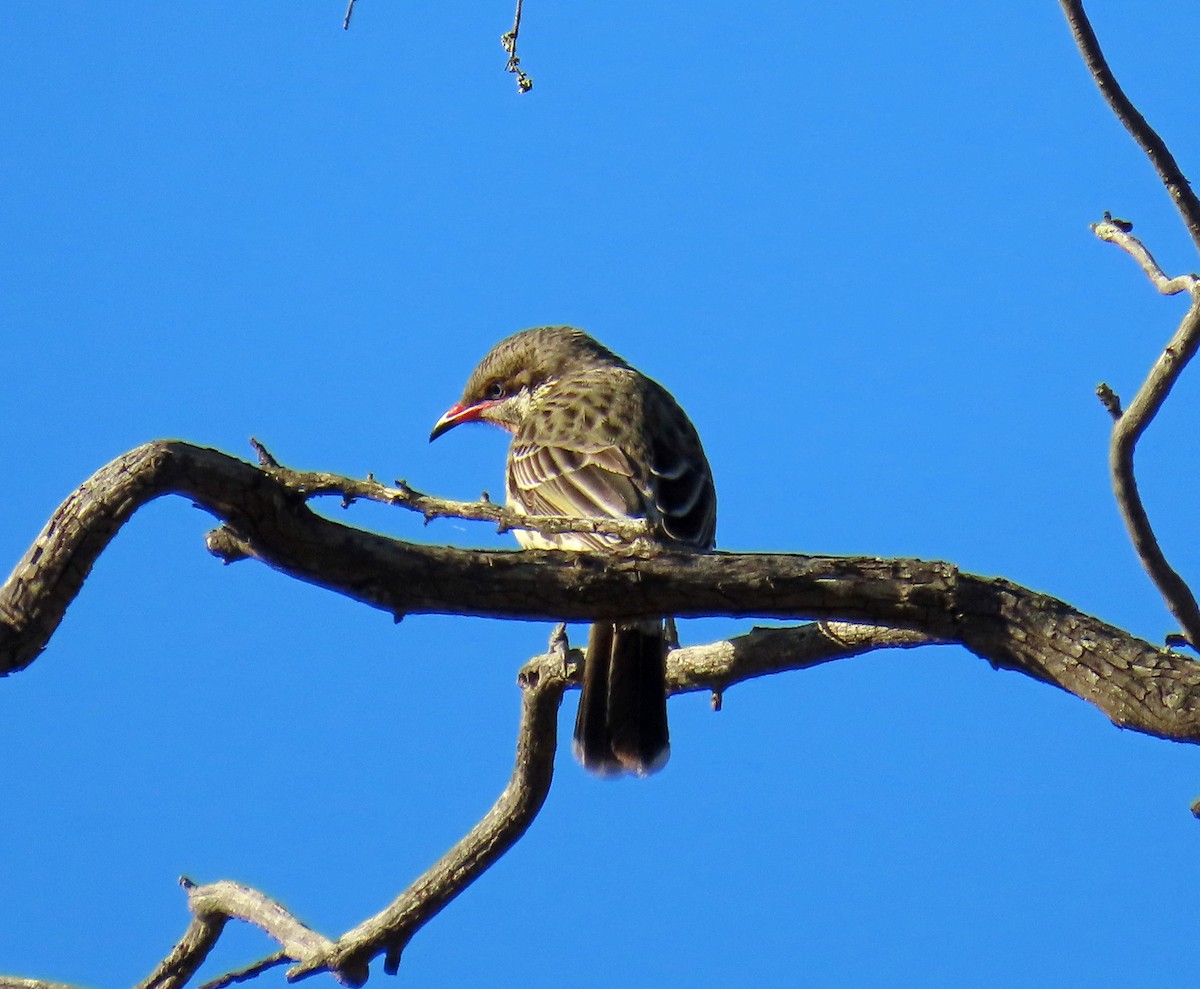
852, 240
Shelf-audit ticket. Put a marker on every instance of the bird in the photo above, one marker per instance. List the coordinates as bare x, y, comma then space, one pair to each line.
592, 437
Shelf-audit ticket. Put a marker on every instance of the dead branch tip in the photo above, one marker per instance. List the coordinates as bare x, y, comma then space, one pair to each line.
1109, 399
265, 459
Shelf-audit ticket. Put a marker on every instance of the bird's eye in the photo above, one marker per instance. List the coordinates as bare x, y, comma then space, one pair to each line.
495, 391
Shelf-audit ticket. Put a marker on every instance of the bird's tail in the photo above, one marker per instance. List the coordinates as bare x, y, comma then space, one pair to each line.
622, 722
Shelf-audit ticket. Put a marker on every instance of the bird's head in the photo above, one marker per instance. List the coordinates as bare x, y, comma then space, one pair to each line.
509, 379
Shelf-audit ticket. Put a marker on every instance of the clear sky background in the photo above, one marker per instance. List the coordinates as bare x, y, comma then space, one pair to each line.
851, 238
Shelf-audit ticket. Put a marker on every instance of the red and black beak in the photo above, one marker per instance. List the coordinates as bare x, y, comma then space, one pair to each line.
456, 415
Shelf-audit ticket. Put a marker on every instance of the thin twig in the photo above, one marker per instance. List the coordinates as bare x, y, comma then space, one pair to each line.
1160, 156
319, 483
349, 13
250, 971
1129, 426
509, 41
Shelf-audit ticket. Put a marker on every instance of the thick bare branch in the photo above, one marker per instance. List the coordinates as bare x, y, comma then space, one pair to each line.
1147, 138
1135, 683
1129, 426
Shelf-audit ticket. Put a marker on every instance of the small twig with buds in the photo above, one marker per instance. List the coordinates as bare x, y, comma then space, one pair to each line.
509, 41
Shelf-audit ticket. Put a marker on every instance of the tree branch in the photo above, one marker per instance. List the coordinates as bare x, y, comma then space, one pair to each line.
1135, 683
1147, 138
1129, 426
509, 42
402, 495
249, 972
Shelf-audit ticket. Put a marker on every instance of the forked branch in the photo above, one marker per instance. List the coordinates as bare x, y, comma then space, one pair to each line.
1128, 427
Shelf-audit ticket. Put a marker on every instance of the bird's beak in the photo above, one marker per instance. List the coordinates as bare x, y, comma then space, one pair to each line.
455, 415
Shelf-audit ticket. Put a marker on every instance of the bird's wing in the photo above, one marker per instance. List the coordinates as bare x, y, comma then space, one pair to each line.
681, 484
583, 483
683, 493
620, 447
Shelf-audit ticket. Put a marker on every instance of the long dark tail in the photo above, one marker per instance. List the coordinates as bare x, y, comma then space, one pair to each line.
622, 722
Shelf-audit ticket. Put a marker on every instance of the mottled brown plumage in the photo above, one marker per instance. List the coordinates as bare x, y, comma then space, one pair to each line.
592, 437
